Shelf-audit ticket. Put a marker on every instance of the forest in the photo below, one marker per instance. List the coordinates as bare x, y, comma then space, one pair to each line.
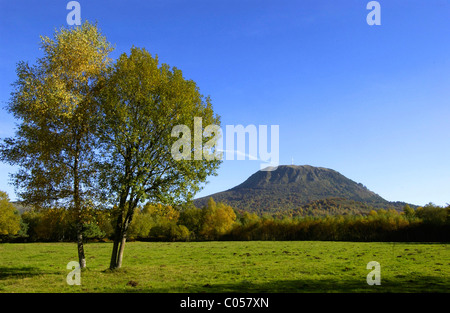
218, 221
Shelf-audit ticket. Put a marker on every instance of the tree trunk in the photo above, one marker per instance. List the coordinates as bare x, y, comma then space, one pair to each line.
113, 262
117, 240
120, 254
79, 221
81, 256
117, 254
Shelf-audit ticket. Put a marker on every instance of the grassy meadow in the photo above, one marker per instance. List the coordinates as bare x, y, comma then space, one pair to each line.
241, 266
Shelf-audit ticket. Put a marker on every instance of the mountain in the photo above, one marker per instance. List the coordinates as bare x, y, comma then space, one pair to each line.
20, 207
292, 187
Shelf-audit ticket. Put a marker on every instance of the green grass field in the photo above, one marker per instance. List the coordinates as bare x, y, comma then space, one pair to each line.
254, 266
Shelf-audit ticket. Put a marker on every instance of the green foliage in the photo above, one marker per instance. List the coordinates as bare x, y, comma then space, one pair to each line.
408, 211
140, 104
248, 219
193, 218
141, 225
381, 225
154, 221
169, 232
58, 224
93, 231
433, 215
52, 225
161, 213
9, 217
218, 221
102, 218
53, 102
331, 206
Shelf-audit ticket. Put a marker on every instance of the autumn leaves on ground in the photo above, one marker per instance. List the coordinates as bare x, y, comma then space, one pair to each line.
254, 266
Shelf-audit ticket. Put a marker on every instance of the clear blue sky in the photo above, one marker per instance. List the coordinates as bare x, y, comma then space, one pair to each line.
372, 102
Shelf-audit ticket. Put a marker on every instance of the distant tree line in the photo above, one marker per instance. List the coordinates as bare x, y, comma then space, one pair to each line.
218, 221
428, 223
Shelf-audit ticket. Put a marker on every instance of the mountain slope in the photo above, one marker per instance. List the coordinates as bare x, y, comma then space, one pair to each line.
290, 187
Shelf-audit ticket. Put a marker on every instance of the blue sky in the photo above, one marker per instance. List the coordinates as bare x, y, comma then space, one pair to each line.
372, 102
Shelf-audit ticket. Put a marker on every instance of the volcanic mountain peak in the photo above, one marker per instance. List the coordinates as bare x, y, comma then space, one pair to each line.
291, 186
288, 175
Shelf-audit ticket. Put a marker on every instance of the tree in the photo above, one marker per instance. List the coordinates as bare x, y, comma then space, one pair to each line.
140, 105
169, 232
192, 218
408, 211
53, 100
218, 219
161, 212
9, 217
141, 224
248, 219
432, 214
52, 225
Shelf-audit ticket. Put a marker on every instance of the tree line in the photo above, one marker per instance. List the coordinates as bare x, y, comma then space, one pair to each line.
218, 221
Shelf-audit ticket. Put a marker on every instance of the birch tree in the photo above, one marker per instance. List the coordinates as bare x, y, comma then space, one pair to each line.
53, 103
140, 105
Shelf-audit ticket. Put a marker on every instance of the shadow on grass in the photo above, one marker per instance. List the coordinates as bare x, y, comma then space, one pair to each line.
19, 272
424, 285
